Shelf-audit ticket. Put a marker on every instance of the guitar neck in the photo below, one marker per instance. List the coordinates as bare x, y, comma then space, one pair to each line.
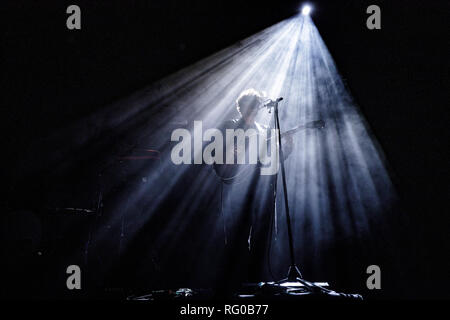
295, 130
318, 124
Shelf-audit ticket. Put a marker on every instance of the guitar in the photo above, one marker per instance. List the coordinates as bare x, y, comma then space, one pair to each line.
228, 173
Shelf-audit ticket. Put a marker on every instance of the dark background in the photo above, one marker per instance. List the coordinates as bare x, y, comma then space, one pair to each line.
398, 75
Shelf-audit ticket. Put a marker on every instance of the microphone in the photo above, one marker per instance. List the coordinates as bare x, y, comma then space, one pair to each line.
271, 103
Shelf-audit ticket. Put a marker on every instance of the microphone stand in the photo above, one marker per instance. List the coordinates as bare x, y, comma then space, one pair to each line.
294, 275
293, 272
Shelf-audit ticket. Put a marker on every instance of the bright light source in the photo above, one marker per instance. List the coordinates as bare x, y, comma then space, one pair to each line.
306, 9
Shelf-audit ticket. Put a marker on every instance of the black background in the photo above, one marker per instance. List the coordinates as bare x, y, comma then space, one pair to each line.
52, 76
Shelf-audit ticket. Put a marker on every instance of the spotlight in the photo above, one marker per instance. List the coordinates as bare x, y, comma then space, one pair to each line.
306, 9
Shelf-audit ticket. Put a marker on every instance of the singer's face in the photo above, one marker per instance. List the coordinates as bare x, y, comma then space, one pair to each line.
250, 116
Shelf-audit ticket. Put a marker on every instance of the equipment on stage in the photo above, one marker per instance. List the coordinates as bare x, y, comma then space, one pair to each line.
289, 291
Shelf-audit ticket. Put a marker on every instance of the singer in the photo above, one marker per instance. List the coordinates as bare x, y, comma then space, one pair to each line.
247, 214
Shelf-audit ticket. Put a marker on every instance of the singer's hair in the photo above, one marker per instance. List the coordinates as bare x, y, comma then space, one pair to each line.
248, 101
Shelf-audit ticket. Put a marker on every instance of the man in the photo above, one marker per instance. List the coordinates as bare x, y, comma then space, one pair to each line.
248, 202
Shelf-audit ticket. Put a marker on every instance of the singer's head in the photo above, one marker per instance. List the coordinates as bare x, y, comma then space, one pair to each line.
248, 104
